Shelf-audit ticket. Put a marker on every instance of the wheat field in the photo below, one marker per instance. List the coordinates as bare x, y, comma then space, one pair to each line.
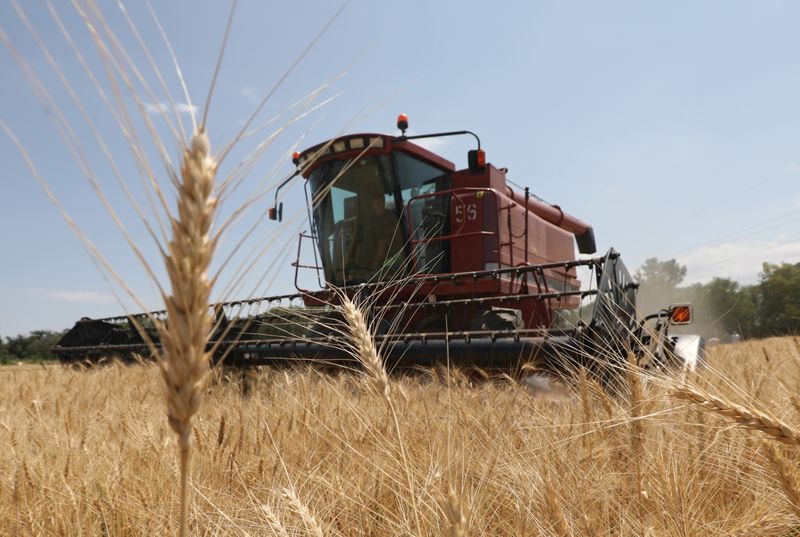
305, 452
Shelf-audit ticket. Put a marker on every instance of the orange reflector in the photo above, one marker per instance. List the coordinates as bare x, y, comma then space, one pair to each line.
296, 157
680, 314
272, 213
481, 158
402, 122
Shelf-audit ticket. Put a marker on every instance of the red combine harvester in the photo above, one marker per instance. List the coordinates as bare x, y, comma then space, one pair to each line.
456, 267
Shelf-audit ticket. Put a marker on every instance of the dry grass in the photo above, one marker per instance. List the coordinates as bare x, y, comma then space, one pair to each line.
88, 452
787, 474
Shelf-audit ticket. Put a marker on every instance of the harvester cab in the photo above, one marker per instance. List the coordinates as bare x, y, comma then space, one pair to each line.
386, 209
458, 266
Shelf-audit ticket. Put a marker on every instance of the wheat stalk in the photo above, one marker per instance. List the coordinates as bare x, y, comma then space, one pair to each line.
636, 424
795, 400
184, 360
456, 520
787, 474
746, 417
309, 520
602, 395
586, 405
364, 346
274, 522
555, 511
367, 354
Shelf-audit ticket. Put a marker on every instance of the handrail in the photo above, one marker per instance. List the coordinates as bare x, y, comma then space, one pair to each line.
455, 234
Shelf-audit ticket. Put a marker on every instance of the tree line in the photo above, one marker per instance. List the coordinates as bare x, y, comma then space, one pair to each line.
33, 347
723, 307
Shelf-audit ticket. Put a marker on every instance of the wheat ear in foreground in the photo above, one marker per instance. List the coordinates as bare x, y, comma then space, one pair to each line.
364, 347
184, 359
745, 417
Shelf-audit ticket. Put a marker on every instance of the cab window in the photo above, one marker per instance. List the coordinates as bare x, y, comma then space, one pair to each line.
358, 224
428, 214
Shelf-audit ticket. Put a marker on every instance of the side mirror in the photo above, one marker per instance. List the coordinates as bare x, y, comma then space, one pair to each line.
276, 213
476, 159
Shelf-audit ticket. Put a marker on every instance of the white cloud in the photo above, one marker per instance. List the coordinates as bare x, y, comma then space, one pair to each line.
250, 93
83, 297
792, 168
162, 107
738, 261
435, 145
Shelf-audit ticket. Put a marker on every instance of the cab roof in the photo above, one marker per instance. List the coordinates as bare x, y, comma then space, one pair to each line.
354, 145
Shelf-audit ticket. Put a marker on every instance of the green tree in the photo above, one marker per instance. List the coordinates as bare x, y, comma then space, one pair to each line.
723, 307
666, 274
658, 284
34, 346
3, 351
779, 299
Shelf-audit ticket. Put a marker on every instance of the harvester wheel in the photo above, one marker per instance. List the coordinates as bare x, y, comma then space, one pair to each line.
498, 319
434, 323
333, 324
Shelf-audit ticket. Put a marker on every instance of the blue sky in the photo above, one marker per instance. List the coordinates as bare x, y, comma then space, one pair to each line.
672, 127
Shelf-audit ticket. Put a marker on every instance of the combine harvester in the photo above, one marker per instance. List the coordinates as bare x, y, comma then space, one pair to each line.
457, 267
